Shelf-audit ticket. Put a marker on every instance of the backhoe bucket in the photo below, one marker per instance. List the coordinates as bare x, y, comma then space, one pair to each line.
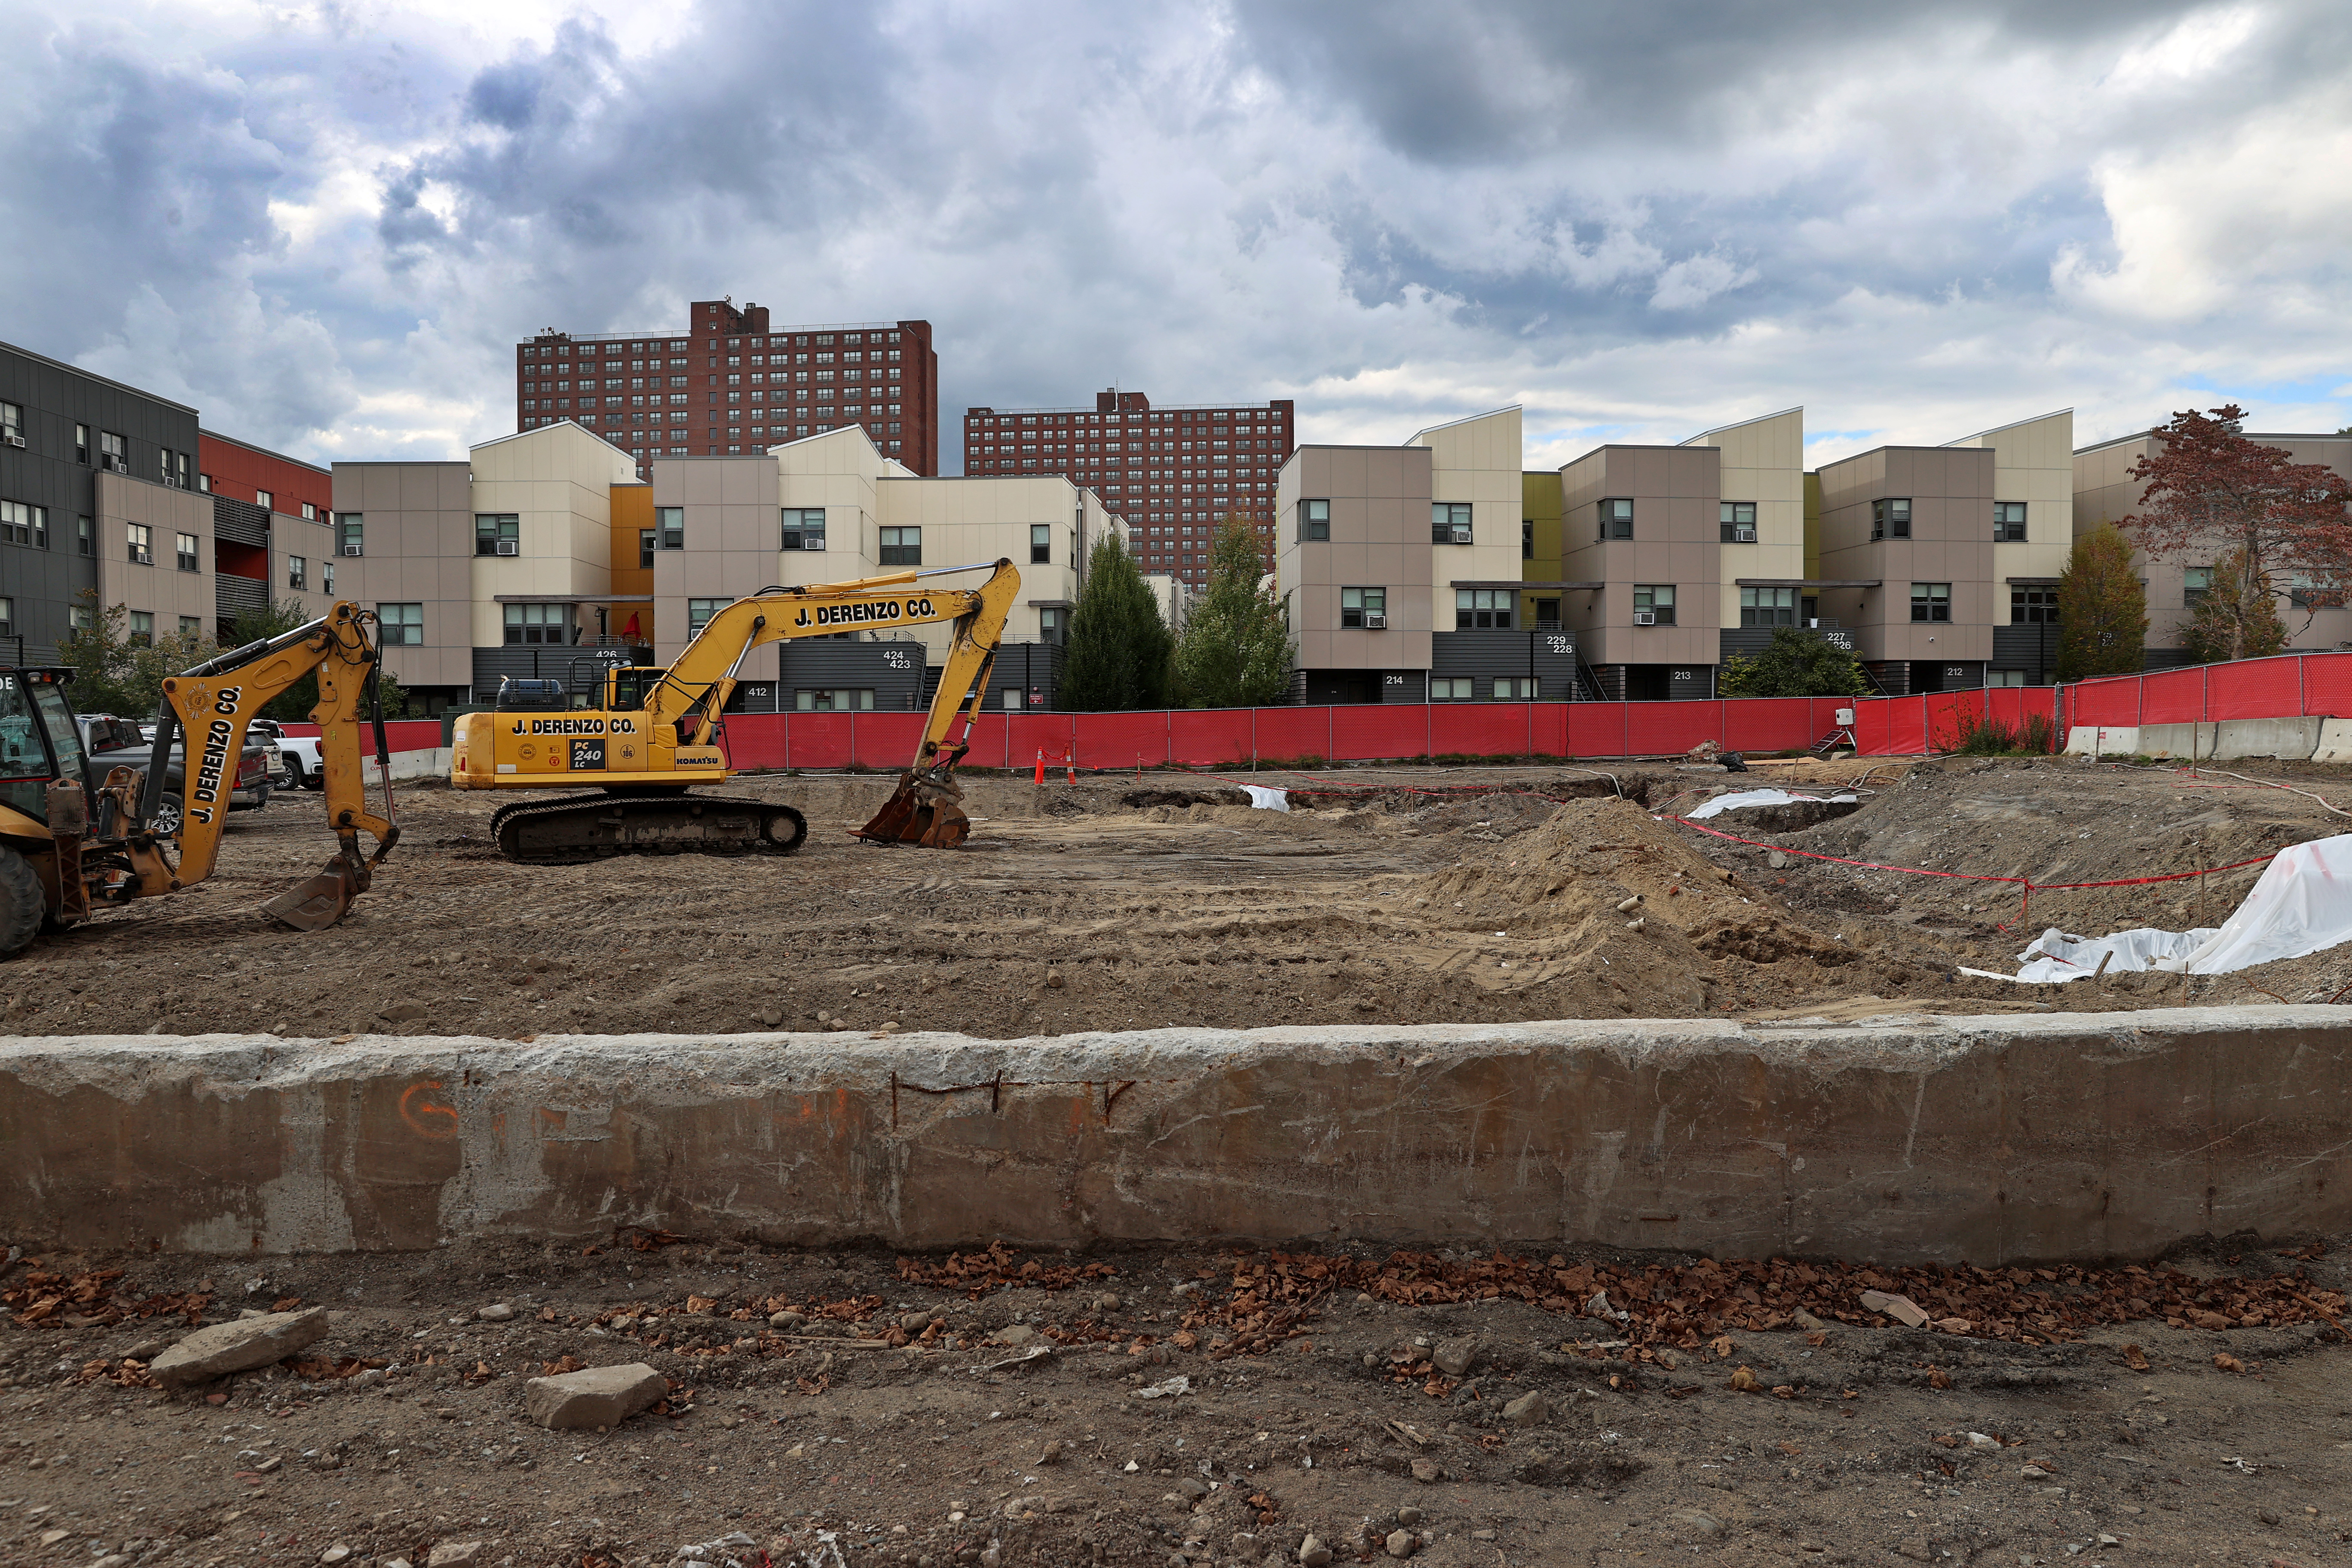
317, 902
920, 812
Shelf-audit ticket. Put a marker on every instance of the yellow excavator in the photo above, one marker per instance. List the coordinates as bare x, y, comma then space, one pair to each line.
657, 732
71, 843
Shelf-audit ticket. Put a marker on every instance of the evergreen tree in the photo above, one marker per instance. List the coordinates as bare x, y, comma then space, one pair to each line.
1235, 651
2234, 619
1119, 647
1796, 663
2102, 608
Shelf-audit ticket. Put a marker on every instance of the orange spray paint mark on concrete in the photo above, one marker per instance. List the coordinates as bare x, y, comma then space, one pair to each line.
424, 1116
550, 1122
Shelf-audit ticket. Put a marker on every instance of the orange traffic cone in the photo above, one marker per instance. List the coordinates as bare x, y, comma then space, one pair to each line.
1041, 768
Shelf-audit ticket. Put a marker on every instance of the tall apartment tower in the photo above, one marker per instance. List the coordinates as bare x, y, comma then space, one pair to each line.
727, 382
1173, 473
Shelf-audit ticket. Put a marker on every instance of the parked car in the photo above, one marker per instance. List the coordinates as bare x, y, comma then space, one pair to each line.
118, 742
298, 756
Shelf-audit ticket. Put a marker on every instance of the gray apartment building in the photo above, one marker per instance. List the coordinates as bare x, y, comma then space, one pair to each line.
97, 494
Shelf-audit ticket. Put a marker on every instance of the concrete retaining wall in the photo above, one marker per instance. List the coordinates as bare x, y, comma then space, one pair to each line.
1988, 1138
2309, 737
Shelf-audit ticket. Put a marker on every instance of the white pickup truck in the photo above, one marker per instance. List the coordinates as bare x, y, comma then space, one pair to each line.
298, 763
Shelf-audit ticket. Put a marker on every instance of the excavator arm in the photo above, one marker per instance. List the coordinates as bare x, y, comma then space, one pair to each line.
922, 809
214, 703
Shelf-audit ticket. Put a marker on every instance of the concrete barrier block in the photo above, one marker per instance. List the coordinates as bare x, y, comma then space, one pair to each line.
2103, 740
1908, 1138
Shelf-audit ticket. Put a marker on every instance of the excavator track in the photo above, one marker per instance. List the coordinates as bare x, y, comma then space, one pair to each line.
578, 828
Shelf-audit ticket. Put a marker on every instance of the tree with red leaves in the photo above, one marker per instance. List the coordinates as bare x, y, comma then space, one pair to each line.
2208, 491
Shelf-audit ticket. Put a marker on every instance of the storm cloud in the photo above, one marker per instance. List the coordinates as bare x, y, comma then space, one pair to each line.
326, 226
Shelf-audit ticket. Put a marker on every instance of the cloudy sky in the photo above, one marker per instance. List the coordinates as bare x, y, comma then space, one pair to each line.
327, 224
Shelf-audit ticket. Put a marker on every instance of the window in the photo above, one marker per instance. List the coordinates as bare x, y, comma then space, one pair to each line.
85, 536
327, 578
298, 573
12, 422
265, 500
1931, 601
860, 699
1547, 613
143, 629
1364, 607
191, 626
645, 549
1617, 518
2004, 678
142, 543
1314, 520
1483, 608
497, 533
1738, 520
1041, 543
81, 443
902, 547
1053, 626
539, 623
1514, 689
21, 523
82, 618
7, 618
403, 626
309, 511
2196, 582
2008, 522
699, 611
1452, 689
1767, 606
1449, 522
671, 522
351, 532
2033, 606
185, 549
1891, 519
804, 528
1526, 539
1654, 600
113, 452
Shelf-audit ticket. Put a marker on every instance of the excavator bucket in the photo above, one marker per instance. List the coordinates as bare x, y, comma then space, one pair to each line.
319, 901
922, 811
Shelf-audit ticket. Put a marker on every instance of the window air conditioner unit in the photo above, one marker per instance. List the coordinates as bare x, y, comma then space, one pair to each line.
506, 547
1645, 617
1743, 534
12, 438
1461, 536
1374, 621
351, 549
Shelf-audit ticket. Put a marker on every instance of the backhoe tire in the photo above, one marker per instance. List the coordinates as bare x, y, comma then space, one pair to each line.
23, 904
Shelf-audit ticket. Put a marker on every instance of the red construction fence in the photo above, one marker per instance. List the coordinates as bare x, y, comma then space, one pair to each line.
2290, 686
2285, 687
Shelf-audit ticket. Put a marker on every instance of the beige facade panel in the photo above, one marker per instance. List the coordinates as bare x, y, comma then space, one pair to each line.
1761, 462
557, 483
417, 521
1379, 499
159, 589
1476, 460
2033, 466
1676, 543
1951, 491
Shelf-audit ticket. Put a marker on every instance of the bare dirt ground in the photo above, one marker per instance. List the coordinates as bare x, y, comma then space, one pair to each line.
1352, 1395
1119, 903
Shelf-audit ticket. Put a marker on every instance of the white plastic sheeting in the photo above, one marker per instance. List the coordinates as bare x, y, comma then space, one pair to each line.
2302, 904
1268, 799
1755, 797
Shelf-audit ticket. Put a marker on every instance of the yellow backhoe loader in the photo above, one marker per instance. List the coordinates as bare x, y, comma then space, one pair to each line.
655, 733
71, 842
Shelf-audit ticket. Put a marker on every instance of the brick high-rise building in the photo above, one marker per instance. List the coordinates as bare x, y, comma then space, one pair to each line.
727, 382
1173, 473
